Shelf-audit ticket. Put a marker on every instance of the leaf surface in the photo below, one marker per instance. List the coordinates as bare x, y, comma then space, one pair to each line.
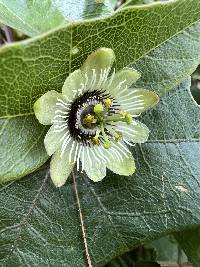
39, 223
35, 17
165, 53
22, 149
190, 242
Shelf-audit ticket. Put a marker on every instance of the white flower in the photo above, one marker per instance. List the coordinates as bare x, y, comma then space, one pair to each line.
93, 119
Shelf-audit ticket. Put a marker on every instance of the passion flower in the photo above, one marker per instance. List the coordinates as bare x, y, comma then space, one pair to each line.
93, 120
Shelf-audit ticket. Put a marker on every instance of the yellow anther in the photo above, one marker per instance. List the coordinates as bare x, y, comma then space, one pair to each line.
127, 116
88, 120
107, 145
108, 102
123, 113
118, 136
95, 140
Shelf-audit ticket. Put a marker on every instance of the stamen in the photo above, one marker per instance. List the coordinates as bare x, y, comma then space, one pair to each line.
107, 143
89, 120
123, 116
115, 134
95, 140
108, 102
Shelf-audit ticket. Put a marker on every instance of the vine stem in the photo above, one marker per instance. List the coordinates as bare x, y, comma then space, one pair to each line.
81, 220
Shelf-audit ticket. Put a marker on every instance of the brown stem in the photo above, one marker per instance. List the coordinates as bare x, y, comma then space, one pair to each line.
82, 224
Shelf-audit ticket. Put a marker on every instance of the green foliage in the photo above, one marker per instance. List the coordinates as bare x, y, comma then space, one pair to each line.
168, 249
22, 147
165, 249
35, 17
40, 223
42, 63
190, 242
135, 258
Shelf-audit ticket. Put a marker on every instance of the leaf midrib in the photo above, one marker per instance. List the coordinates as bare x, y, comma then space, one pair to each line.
17, 115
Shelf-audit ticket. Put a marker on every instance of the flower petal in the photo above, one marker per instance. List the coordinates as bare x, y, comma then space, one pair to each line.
52, 140
136, 101
94, 167
136, 132
122, 79
45, 107
123, 163
72, 83
99, 60
60, 168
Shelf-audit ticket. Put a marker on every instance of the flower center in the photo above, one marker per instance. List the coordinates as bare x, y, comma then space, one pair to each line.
81, 115
91, 116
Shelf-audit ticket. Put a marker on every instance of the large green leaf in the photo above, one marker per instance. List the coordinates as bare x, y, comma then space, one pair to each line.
32, 67
39, 223
169, 64
190, 242
34, 17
